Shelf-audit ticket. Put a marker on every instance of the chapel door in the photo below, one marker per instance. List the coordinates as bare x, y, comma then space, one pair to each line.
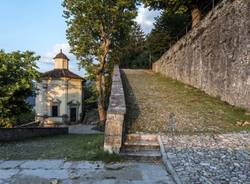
73, 114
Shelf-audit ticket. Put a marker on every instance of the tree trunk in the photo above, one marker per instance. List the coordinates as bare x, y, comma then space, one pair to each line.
101, 98
100, 78
196, 16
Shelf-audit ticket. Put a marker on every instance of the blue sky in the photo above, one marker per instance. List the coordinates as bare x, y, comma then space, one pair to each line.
38, 25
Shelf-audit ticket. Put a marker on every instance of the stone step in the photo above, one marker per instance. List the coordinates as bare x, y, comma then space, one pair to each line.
141, 145
141, 137
142, 155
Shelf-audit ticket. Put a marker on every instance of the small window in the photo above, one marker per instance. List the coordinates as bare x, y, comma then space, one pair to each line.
54, 111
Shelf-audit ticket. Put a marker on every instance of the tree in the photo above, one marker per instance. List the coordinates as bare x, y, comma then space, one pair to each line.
92, 30
180, 6
133, 51
167, 27
17, 71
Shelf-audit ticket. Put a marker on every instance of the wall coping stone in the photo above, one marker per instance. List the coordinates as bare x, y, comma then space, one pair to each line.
117, 103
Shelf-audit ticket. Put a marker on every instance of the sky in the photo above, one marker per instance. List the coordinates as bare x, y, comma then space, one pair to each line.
38, 25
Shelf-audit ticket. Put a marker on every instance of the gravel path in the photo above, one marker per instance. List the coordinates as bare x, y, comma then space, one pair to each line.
210, 159
188, 120
159, 104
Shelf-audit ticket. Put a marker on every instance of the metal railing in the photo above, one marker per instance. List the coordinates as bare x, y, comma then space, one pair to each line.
34, 123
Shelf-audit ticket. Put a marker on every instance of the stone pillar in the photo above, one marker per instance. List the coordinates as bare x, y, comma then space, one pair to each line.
113, 132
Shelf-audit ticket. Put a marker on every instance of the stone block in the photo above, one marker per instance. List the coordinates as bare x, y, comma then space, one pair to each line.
42, 164
8, 173
45, 173
10, 164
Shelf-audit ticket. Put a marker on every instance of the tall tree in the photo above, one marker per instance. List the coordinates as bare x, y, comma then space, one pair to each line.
17, 70
167, 27
92, 27
133, 51
180, 6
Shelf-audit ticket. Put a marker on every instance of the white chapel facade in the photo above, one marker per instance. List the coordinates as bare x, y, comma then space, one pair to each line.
59, 98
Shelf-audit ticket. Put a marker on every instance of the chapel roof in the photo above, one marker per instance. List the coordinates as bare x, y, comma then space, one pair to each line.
61, 55
60, 73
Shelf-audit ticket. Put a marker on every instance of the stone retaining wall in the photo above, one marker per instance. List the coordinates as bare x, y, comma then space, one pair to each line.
17, 134
115, 116
215, 55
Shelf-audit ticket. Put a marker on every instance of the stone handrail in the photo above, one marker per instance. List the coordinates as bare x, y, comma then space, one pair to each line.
115, 115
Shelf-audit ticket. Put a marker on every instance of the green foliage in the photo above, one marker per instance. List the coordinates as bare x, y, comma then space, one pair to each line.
133, 53
90, 95
25, 117
93, 26
94, 32
174, 6
17, 70
167, 27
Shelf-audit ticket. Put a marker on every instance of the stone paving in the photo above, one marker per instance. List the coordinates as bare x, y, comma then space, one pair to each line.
215, 159
82, 172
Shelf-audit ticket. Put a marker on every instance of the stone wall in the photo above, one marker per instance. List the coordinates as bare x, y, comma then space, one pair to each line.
215, 55
115, 116
17, 134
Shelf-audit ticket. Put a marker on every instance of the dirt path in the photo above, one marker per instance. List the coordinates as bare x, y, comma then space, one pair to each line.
159, 104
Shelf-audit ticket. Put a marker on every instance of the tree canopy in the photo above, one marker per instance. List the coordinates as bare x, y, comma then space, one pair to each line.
133, 53
167, 27
93, 27
178, 6
17, 71
195, 7
139, 51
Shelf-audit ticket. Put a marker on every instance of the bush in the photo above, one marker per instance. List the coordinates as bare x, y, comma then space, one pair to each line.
25, 118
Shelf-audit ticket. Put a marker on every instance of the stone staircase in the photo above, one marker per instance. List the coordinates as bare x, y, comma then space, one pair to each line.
141, 147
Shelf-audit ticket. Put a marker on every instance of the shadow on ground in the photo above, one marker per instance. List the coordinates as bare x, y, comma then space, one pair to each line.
132, 108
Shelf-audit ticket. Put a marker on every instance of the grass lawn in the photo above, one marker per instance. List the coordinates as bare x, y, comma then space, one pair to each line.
152, 97
68, 147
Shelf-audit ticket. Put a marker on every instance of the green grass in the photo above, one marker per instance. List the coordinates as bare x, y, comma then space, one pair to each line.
68, 147
195, 112
216, 112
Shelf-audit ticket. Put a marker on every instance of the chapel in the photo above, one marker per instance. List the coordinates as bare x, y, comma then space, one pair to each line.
59, 98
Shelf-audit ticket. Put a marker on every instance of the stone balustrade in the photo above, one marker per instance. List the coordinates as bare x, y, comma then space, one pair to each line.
115, 115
